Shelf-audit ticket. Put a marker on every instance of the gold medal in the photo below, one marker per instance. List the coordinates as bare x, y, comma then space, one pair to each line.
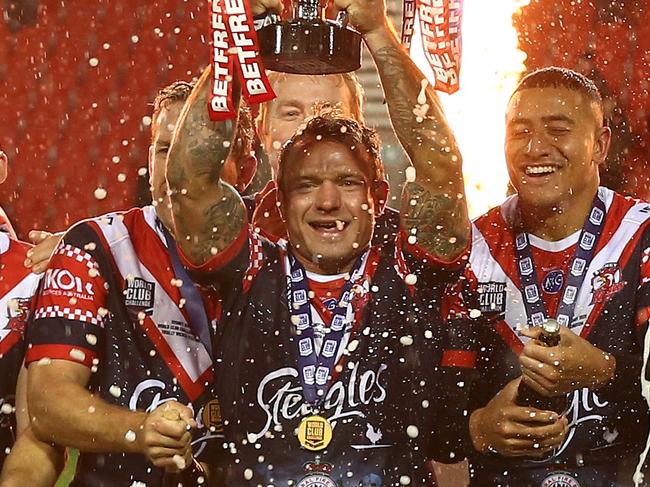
314, 433
212, 416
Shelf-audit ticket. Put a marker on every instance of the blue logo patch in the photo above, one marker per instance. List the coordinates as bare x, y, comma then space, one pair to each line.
330, 303
553, 281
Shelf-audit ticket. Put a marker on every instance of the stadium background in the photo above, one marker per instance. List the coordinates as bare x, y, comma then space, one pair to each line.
77, 79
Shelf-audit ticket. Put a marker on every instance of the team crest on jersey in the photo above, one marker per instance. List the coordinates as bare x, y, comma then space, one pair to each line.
492, 297
560, 479
139, 295
18, 313
317, 475
605, 283
553, 281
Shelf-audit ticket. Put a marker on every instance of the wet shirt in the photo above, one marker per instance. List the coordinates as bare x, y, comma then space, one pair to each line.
383, 400
17, 286
607, 425
110, 301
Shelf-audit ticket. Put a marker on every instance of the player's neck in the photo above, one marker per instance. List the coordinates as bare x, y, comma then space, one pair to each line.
559, 221
326, 268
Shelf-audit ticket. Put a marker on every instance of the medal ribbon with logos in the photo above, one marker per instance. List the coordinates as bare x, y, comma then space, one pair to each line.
316, 369
582, 257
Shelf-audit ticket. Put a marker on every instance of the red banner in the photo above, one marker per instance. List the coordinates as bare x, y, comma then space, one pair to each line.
439, 22
234, 43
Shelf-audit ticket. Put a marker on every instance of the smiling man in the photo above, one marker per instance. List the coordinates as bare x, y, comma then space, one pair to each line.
329, 353
561, 249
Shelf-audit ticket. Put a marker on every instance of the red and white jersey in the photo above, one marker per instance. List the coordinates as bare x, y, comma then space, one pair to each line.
610, 305
110, 300
17, 286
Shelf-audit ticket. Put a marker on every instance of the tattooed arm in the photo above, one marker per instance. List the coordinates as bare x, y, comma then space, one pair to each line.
208, 213
434, 202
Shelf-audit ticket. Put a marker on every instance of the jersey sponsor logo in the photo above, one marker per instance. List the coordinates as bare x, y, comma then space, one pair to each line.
492, 297
605, 283
63, 282
553, 281
560, 479
18, 311
139, 295
584, 406
279, 395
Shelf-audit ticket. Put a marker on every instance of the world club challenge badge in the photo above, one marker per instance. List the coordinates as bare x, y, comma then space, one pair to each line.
314, 433
317, 475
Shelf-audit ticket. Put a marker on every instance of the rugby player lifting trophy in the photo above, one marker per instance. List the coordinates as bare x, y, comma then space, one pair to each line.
310, 43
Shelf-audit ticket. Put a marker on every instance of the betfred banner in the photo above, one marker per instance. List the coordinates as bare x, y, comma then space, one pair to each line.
234, 45
439, 25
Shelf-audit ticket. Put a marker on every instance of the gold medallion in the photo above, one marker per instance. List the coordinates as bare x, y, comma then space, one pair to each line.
212, 416
314, 433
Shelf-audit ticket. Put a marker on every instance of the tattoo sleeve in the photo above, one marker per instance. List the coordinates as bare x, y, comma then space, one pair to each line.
434, 207
208, 213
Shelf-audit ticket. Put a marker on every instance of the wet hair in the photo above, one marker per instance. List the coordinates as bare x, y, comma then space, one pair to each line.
329, 126
178, 91
555, 77
349, 79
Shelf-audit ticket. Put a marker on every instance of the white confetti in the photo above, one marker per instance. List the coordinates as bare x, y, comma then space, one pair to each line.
130, 436
410, 174
94, 62
6, 408
352, 346
77, 355
405, 480
91, 339
474, 313
100, 193
248, 474
406, 340
411, 279
412, 431
115, 391
179, 461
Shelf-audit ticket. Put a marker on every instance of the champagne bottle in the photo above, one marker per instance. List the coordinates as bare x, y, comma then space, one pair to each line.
527, 396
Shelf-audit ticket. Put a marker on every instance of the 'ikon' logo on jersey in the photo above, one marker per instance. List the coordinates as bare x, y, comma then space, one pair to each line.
492, 297
139, 295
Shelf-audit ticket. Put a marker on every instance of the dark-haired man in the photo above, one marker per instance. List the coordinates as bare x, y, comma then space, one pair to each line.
327, 354
119, 342
561, 249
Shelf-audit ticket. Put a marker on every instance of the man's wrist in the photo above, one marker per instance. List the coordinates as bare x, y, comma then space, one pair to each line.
475, 434
381, 36
134, 436
606, 378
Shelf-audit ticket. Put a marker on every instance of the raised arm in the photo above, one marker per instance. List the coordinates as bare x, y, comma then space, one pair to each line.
434, 200
208, 213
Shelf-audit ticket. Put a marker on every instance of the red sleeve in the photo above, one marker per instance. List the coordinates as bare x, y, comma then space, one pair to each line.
70, 309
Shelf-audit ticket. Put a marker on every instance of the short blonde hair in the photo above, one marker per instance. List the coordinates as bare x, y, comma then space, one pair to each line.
349, 79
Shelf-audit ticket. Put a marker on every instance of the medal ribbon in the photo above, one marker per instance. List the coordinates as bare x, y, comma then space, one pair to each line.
316, 369
584, 253
234, 42
440, 33
193, 302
